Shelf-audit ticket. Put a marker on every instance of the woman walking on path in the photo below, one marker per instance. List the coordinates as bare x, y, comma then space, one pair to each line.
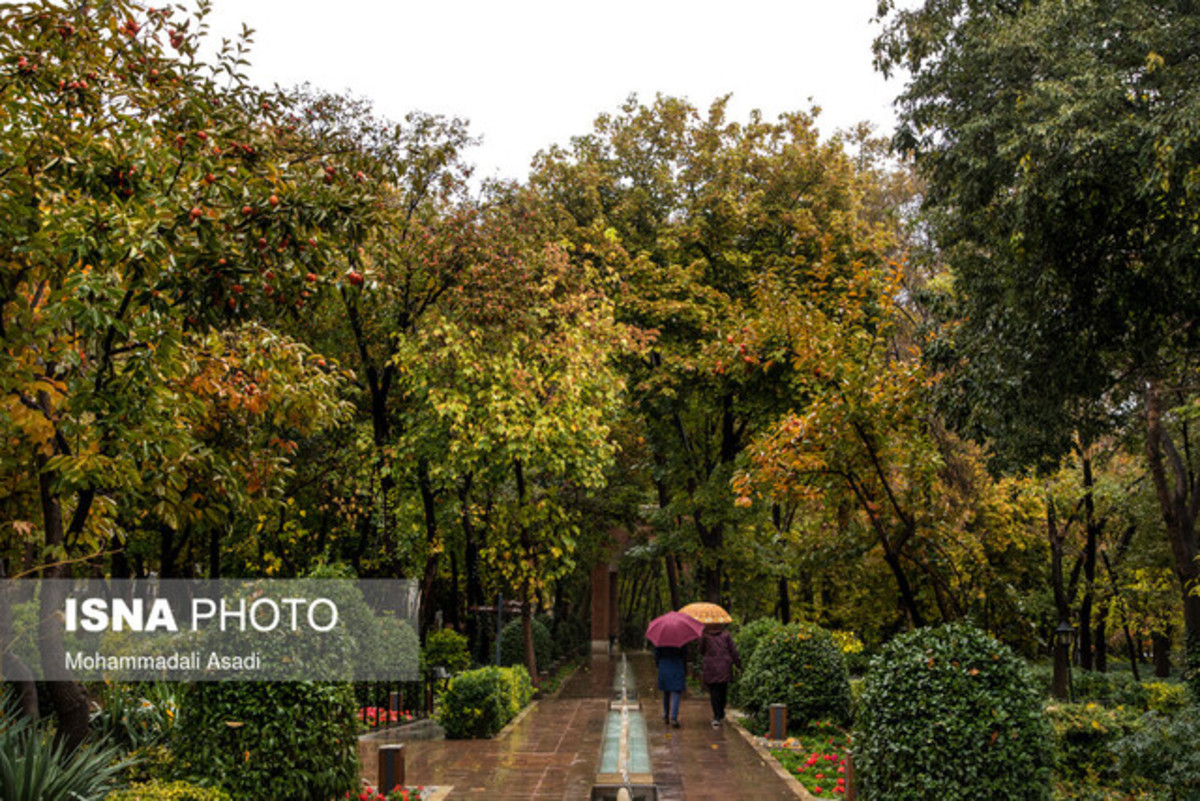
719, 655
672, 668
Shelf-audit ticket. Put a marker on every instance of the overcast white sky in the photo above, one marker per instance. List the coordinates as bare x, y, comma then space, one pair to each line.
530, 73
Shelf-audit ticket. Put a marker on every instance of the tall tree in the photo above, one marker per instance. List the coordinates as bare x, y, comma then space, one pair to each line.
514, 382
1057, 143
684, 213
146, 198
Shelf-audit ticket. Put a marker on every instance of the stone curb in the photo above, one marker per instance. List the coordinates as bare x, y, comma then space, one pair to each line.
512, 724
791, 781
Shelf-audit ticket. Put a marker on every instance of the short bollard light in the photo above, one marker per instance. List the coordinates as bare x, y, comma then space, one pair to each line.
851, 784
393, 708
391, 767
778, 721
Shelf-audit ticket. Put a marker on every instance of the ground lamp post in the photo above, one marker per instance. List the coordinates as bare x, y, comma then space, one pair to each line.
1064, 635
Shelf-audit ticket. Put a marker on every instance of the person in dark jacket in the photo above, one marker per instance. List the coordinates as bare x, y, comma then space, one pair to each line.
719, 655
672, 678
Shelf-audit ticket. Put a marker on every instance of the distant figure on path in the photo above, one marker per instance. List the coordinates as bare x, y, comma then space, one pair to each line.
672, 678
719, 655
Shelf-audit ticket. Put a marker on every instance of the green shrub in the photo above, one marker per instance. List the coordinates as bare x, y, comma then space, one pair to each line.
512, 644
135, 716
1083, 737
748, 636
518, 690
148, 763
1166, 698
1110, 689
801, 666
480, 702
746, 639
1162, 753
447, 648
856, 691
1042, 675
270, 740
169, 791
570, 636
950, 713
34, 767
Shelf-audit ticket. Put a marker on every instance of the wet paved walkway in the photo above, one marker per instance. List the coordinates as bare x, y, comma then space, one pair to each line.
553, 752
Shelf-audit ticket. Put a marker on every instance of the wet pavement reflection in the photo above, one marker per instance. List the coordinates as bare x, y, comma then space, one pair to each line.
554, 751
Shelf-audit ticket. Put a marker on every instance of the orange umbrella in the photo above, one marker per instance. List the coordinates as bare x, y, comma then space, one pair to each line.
706, 613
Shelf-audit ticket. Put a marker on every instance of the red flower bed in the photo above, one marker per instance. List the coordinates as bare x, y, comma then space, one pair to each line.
817, 758
377, 716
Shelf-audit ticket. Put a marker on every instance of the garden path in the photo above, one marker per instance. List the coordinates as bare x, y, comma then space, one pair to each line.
553, 752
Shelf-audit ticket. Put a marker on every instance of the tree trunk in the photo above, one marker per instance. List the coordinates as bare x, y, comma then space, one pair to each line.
452, 606
471, 557
1062, 651
68, 698
673, 580
1134, 656
527, 631
1085, 632
526, 595
785, 602
712, 540
1160, 643
429, 509
1101, 643
1086, 643
1177, 497
906, 593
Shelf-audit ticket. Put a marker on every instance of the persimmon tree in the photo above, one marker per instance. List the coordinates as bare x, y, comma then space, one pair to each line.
393, 272
148, 197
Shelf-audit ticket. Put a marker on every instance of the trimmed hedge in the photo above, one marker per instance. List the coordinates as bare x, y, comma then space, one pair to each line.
952, 714
512, 644
746, 639
801, 666
270, 740
480, 702
748, 636
169, 791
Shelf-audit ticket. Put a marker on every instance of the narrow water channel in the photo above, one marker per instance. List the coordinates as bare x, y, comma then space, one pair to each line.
625, 773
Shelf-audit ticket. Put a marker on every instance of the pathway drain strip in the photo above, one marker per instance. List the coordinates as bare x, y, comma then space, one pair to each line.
625, 773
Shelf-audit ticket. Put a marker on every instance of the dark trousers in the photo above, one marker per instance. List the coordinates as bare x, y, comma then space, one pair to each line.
671, 704
717, 695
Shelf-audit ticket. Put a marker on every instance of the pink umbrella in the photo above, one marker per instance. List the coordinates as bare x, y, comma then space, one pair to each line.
674, 629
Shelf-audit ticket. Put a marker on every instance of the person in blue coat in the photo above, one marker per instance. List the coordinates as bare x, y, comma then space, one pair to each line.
672, 678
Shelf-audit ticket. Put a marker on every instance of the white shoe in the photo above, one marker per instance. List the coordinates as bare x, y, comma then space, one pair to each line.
716, 723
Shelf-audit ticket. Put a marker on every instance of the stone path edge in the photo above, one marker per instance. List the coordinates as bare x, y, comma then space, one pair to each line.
791, 781
512, 724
